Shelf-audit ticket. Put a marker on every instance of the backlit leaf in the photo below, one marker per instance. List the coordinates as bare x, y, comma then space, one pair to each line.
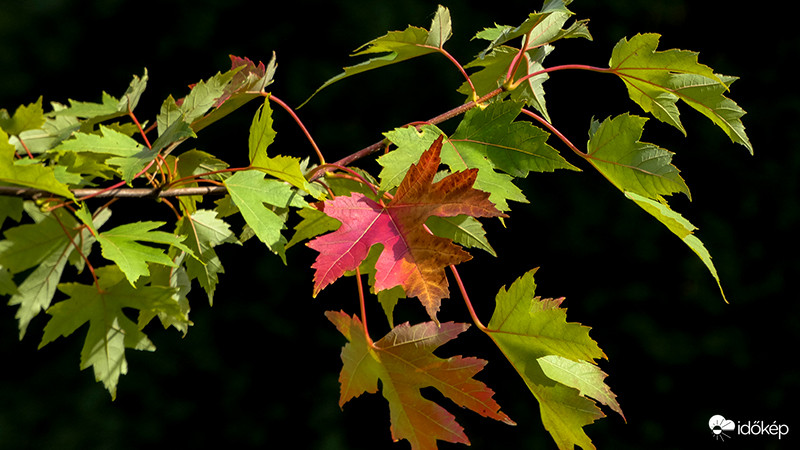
110, 330
543, 27
529, 331
204, 231
411, 257
262, 136
656, 80
404, 362
121, 245
632, 165
250, 192
26, 117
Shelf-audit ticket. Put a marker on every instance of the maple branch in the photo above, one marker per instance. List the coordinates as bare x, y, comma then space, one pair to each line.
32, 193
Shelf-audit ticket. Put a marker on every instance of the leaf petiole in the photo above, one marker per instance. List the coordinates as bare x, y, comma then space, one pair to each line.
464, 295
299, 122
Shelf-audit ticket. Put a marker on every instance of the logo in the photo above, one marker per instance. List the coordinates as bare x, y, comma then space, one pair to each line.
720, 425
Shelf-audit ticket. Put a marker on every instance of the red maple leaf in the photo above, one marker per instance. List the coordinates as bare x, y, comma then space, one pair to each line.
412, 257
404, 363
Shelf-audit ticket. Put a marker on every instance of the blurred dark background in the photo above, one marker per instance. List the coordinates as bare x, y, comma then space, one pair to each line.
260, 368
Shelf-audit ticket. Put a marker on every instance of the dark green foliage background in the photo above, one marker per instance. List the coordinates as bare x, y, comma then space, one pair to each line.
260, 368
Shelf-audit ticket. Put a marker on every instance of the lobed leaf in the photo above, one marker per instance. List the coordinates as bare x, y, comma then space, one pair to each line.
615, 151
121, 245
644, 174
110, 330
110, 107
494, 68
261, 137
178, 280
203, 231
411, 257
128, 156
656, 80
538, 341
404, 362
249, 191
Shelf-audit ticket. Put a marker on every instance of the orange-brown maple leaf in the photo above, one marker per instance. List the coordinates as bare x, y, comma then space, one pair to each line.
404, 363
412, 257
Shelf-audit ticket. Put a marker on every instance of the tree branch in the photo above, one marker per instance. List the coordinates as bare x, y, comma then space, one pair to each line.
31, 193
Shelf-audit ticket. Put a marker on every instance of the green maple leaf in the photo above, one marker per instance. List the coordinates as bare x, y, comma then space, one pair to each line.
555, 359
7, 286
27, 172
178, 280
110, 330
262, 135
10, 207
516, 148
399, 46
110, 107
127, 155
615, 151
204, 231
249, 191
26, 117
656, 80
644, 174
543, 27
404, 363
462, 229
204, 95
121, 245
